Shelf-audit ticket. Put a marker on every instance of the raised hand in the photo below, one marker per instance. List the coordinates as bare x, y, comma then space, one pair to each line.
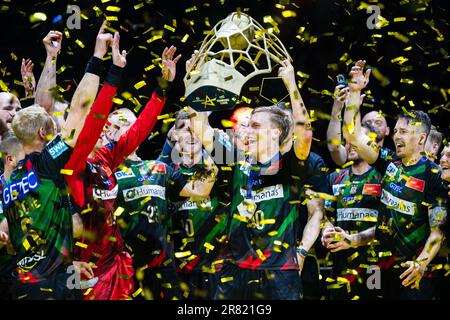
102, 42
52, 43
169, 63
119, 58
286, 72
358, 79
28, 79
340, 97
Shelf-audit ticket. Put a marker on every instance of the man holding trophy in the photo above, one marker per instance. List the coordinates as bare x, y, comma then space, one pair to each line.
261, 255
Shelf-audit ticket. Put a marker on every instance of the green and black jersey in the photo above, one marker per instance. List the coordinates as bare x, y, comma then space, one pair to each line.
199, 226
409, 193
37, 206
144, 189
267, 238
355, 209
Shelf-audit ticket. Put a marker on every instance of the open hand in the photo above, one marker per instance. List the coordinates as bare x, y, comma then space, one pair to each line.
28, 79
359, 80
119, 58
169, 69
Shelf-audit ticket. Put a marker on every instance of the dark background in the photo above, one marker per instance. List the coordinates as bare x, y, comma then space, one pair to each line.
324, 38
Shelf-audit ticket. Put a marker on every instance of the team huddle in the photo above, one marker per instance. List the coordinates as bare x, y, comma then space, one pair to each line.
216, 215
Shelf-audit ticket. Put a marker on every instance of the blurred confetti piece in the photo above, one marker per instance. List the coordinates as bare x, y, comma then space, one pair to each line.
38, 16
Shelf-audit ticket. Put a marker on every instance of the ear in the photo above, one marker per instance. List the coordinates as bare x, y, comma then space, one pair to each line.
388, 131
42, 134
10, 160
423, 138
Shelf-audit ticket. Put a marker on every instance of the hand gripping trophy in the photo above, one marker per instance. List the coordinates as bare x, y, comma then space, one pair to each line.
236, 49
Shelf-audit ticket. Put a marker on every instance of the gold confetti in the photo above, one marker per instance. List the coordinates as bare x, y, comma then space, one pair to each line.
66, 172
226, 279
118, 211
81, 245
38, 16
140, 84
78, 42
186, 36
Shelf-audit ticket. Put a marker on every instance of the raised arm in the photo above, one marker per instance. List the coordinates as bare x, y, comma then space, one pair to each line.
367, 148
47, 81
334, 134
86, 91
302, 124
133, 137
93, 126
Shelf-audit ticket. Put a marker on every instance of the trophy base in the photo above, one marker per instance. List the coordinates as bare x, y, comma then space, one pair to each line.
211, 98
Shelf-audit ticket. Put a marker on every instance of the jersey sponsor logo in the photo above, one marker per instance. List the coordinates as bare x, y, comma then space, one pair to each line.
17, 189
395, 187
123, 174
372, 189
57, 149
144, 191
151, 168
105, 194
337, 189
267, 193
30, 262
391, 170
357, 214
397, 204
416, 184
193, 205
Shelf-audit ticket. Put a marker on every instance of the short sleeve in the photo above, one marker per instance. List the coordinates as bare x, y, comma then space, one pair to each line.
316, 177
52, 159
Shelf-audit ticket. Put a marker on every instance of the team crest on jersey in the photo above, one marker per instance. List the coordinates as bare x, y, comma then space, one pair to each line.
416, 184
124, 174
353, 189
337, 189
391, 170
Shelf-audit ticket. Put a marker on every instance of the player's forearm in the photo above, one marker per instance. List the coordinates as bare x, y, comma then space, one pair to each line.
431, 248
47, 81
367, 149
302, 123
334, 138
364, 237
312, 229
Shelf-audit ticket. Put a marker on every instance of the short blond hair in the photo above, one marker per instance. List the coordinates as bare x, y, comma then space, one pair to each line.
28, 121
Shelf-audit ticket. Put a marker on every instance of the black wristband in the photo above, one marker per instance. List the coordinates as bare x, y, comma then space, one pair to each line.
95, 66
164, 89
114, 75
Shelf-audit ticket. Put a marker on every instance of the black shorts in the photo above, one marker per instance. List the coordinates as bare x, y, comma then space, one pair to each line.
392, 288
198, 285
237, 283
53, 288
157, 284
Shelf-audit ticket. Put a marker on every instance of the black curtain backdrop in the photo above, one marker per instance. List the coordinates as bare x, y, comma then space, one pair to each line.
409, 55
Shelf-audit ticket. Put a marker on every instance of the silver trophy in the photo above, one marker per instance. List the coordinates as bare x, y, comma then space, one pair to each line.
235, 50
